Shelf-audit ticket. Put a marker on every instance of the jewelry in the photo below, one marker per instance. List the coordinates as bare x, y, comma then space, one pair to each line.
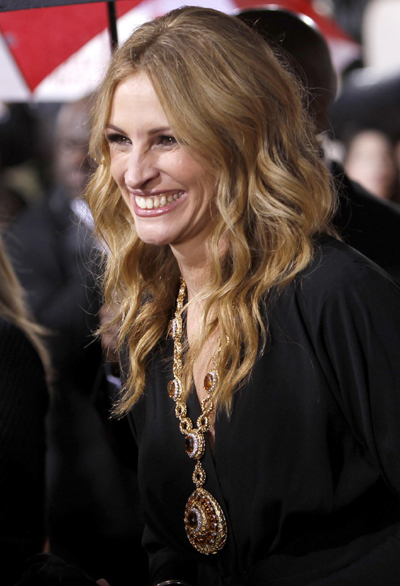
204, 519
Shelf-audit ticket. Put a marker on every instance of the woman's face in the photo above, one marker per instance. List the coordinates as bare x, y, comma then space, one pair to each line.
370, 162
166, 190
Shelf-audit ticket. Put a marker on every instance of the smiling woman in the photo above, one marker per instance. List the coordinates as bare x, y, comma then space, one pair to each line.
260, 354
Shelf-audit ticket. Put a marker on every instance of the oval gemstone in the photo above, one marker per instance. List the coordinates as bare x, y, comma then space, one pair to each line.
208, 381
192, 520
189, 444
171, 388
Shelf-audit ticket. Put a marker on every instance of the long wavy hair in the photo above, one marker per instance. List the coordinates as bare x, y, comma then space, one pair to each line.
13, 309
232, 104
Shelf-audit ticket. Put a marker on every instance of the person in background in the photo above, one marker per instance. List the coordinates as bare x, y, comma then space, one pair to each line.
370, 225
94, 517
25, 372
370, 161
19, 155
259, 352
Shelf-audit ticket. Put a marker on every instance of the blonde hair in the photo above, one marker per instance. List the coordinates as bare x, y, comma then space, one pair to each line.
231, 103
13, 309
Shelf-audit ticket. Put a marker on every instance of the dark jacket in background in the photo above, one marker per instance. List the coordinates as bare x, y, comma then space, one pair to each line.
367, 223
23, 406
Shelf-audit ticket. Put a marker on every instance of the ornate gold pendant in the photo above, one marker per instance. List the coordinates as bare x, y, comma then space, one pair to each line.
205, 522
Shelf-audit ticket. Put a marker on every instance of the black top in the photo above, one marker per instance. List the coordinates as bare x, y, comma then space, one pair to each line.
23, 404
307, 467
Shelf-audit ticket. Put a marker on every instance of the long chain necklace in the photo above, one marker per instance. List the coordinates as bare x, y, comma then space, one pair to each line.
204, 519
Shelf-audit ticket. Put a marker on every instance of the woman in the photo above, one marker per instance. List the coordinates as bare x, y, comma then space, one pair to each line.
23, 405
214, 206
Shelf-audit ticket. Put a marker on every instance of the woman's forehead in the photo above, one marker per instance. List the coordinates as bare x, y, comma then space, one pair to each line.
136, 102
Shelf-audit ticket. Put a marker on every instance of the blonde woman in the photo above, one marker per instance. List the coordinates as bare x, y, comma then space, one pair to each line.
23, 405
260, 353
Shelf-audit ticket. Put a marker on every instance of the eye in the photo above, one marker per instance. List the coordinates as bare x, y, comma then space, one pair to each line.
166, 140
116, 139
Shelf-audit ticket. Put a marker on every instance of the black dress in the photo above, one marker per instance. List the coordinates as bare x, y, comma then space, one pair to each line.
23, 405
307, 467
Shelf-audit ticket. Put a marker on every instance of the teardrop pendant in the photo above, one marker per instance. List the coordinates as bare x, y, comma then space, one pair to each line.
205, 522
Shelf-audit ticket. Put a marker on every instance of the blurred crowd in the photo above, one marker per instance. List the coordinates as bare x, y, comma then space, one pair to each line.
93, 519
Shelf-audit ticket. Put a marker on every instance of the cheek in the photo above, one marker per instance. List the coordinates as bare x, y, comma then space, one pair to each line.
126, 199
195, 175
117, 170
208, 187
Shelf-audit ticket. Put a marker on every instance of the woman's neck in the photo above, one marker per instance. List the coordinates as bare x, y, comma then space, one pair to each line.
194, 266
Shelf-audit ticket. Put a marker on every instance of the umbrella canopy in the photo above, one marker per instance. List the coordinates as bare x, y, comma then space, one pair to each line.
57, 50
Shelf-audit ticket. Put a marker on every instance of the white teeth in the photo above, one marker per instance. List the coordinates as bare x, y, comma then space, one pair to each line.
149, 203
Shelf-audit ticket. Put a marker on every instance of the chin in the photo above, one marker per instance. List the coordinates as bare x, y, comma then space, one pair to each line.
149, 233
154, 239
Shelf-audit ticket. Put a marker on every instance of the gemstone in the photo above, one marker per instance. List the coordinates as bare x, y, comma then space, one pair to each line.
209, 381
192, 520
189, 444
171, 388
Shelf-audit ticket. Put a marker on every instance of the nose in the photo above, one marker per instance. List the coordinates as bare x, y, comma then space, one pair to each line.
141, 169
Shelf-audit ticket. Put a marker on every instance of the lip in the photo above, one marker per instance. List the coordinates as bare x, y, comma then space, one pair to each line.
155, 211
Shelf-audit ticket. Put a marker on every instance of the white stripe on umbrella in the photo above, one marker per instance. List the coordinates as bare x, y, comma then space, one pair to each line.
13, 87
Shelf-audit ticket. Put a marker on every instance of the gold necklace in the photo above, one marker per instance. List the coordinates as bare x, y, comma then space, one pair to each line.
204, 519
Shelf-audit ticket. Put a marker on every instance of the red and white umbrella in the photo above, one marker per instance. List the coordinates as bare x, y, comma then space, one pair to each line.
59, 52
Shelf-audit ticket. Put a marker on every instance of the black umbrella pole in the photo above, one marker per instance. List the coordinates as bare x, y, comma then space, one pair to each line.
112, 25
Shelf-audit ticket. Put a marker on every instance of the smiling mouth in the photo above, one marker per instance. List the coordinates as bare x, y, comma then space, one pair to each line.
159, 201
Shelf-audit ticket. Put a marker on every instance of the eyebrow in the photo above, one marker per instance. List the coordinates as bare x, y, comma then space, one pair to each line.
112, 127
151, 132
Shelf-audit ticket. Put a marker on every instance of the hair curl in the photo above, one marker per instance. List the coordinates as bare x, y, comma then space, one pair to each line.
230, 102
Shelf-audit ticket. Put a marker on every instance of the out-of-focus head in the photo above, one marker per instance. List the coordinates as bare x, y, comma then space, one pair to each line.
370, 161
72, 135
298, 38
